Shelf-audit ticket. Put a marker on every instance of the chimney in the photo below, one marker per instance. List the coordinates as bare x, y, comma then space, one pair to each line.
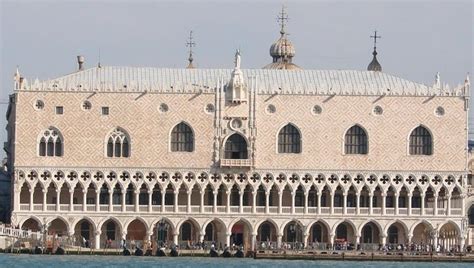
80, 61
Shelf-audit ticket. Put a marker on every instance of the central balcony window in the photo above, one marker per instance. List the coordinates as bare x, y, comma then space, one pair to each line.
235, 152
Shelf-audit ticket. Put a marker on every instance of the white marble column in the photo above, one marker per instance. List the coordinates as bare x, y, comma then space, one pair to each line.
280, 201
254, 202
163, 193
71, 200
395, 196
241, 202
371, 203
344, 203
409, 197
97, 200
45, 192
279, 238
32, 191
306, 203
332, 202
175, 203
97, 239
384, 202
150, 198
201, 204
422, 204
435, 206
227, 196
111, 192
137, 199
357, 203
214, 204
448, 209
58, 193
124, 194
293, 194
188, 201
320, 201
267, 202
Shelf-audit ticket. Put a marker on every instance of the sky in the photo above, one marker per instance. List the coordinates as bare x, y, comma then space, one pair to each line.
419, 38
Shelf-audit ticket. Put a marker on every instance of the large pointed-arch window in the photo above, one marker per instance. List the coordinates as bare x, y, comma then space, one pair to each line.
235, 147
289, 140
50, 143
118, 144
182, 138
355, 141
421, 142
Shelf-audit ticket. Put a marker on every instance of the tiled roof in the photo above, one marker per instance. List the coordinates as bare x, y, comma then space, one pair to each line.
340, 82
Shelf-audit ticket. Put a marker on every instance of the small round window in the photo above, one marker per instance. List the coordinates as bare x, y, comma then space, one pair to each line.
271, 109
236, 123
378, 110
209, 108
39, 105
163, 108
439, 111
317, 109
86, 105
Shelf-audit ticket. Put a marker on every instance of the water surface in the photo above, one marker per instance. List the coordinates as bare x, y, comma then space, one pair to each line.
86, 261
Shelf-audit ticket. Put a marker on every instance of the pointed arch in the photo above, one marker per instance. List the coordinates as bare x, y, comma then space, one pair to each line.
289, 140
356, 140
420, 141
235, 147
50, 143
182, 138
118, 143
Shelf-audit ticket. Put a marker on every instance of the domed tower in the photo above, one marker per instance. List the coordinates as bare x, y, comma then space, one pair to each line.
282, 51
374, 65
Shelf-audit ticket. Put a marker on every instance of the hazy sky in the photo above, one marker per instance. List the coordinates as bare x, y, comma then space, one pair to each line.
419, 38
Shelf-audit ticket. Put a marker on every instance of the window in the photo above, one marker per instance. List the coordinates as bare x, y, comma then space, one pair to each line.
51, 143
59, 110
289, 140
235, 147
420, 142
182, 138
105, 110
118, 144
355, 141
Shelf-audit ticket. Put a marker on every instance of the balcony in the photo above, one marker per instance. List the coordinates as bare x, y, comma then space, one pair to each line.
236, 162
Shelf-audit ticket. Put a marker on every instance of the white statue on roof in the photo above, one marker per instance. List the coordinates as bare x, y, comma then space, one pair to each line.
236, 90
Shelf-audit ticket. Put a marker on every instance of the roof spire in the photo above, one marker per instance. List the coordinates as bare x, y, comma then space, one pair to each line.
190, 43
237, 59
98, 64
374, 65
282, 19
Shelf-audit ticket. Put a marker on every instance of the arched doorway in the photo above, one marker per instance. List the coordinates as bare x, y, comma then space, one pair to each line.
422, 234
241, 235
31, 224
370, 236
188, 234
58, 227
84, 233
318, 236
448, 239
136, 233
162, 233
344, 236
215, 233
293, 236
267, 235
396, 234
111, 231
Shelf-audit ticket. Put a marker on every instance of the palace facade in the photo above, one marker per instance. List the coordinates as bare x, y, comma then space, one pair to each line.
241, 156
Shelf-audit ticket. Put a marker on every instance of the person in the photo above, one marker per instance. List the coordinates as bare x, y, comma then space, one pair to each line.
83, 241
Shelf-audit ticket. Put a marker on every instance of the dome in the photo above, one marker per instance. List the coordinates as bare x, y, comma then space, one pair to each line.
282, 48
374, 65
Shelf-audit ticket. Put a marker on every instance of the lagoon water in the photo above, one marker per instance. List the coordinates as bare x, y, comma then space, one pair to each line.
84, 261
